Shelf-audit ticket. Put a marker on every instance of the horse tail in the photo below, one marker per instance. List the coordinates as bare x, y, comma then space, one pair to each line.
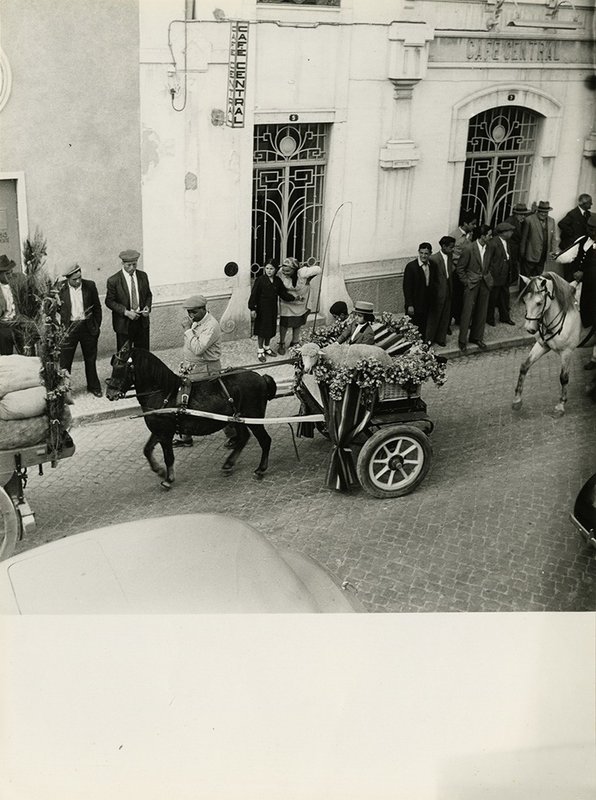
271, 386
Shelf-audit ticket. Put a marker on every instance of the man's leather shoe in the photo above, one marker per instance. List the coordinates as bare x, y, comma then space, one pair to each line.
441, 344
449, 331
186, 442
590, 365
509, 322
479, 343
96, 392
492, 324
463, 347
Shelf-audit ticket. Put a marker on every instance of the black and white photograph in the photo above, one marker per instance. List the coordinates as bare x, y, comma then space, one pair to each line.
298, 399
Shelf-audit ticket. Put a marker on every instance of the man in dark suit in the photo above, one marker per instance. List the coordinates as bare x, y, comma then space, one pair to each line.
497, 258
129, 297
475, 276
415, 287
439, 292
80, 313
517, 218
575, 223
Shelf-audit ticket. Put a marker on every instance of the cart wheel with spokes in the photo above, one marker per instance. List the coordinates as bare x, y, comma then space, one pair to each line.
394, 461
9, 525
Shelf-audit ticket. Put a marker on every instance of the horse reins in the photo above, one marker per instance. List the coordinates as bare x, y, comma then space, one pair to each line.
544, 328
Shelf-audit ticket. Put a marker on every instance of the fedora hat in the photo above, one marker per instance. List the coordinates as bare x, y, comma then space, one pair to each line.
544, 205
6, 264
520, 208
72, 271
362, 307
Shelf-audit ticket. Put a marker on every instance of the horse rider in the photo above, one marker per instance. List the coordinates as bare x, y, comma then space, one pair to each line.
580, 265
201, 349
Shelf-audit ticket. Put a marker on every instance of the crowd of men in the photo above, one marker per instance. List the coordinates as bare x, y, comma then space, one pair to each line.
467, 281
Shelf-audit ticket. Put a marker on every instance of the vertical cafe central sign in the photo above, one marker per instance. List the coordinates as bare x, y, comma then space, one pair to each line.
237, 74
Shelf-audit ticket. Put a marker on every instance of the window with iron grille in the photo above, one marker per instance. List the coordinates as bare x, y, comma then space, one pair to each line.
499, 159
288, 188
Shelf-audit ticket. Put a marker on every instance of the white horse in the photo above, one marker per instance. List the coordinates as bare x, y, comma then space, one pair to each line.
552, 316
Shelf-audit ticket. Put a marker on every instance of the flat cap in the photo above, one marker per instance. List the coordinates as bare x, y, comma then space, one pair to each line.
72, 270
503, 227
195, 301
362, 307
129, 255
6, 263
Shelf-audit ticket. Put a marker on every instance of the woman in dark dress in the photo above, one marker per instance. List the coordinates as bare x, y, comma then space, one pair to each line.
263, 308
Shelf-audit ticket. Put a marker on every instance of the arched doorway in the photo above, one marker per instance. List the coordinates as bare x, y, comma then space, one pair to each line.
500, 151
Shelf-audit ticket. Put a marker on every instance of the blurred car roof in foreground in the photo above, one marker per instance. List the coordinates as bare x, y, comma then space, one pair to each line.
184, 564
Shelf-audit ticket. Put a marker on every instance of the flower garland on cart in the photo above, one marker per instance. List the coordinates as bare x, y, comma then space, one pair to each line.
349, 393
43, 334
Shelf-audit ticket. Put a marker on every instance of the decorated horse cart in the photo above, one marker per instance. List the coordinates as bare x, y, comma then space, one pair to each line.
367, 399
371, 402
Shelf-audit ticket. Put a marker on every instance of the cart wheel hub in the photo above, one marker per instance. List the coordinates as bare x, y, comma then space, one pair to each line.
395, 462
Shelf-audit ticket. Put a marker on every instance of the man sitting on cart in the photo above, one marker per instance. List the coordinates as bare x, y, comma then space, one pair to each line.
359, 331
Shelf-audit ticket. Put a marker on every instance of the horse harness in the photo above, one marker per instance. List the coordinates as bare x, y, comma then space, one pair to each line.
552, 329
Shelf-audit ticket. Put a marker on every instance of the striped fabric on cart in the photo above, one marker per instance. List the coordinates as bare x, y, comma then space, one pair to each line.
388, 340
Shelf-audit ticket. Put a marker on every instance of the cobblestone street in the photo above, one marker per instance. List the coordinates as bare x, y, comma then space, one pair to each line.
488, 530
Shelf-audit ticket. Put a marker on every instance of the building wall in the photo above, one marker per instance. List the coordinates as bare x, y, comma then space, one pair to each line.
396, 95
71, 128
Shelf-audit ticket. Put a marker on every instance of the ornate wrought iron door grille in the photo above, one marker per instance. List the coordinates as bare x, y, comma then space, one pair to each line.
499, 158
288, 189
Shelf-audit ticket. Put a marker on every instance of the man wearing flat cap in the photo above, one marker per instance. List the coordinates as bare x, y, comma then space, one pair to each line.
498, 262
538, 239
201, 349
80, 313
12, 288
129, 298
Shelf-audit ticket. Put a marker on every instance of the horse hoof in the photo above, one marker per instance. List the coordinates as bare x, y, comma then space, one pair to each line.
167, 485
259, 475
558, 412
516, 405
227, 469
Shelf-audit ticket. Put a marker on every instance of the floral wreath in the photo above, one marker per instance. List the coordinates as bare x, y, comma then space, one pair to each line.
411, 368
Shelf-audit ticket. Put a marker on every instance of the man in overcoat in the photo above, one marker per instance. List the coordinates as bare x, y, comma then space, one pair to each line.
128, 296
415, 287
497, 258
575, 223
439, 292
538, 239
80, 313
475, 275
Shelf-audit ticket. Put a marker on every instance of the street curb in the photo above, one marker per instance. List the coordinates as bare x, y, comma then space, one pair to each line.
120, 412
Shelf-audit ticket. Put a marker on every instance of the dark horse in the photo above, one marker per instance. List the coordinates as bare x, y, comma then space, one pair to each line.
156, 387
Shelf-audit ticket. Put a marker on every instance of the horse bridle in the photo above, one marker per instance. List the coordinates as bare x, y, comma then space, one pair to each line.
544, 329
